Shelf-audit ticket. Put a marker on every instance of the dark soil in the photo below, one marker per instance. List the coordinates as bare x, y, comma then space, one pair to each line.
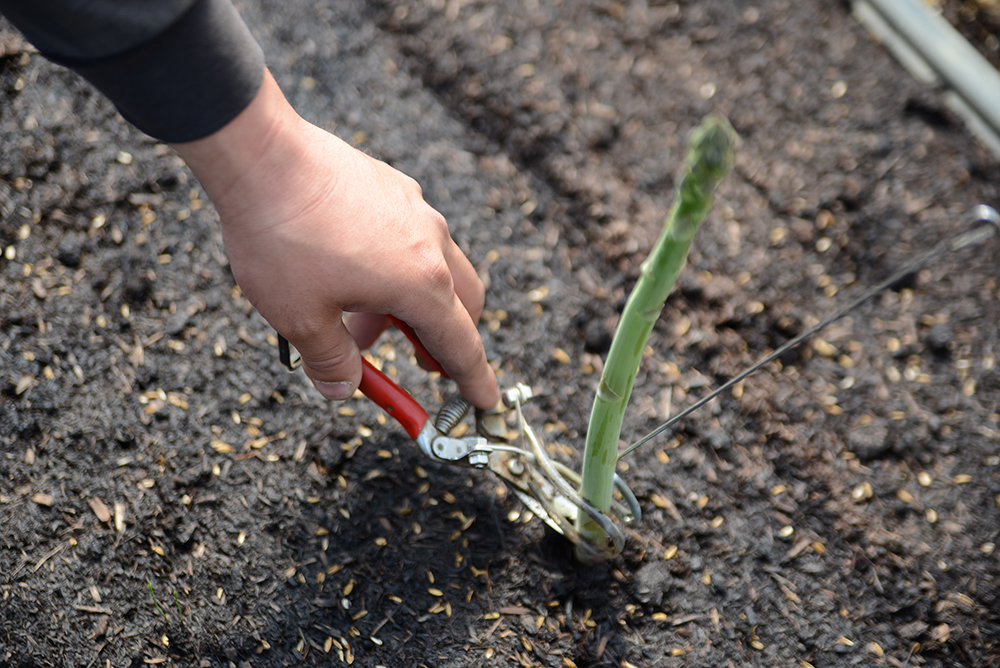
169, 494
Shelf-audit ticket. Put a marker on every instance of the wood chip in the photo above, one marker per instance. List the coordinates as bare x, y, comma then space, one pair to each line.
24, 384
43, 499
101, 627
177, 400
46, 557
538, 294
101, 510
221, 446
514, 610
659, 500
119, 517
798, 548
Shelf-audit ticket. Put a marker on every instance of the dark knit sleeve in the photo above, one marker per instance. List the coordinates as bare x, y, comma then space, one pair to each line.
182, 69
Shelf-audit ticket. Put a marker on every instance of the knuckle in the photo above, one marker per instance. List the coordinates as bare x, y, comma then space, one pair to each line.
296, 330
412, 186
437, 275
438, 220
433, 219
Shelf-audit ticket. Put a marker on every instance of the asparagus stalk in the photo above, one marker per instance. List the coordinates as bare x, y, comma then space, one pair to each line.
710, 158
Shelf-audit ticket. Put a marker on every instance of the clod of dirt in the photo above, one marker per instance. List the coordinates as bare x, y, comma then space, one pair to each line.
330, 455
939, 340
869, 441
137, 289
70, 250
651, 582
597, 338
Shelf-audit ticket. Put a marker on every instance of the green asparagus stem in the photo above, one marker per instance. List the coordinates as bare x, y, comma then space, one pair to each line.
710, 158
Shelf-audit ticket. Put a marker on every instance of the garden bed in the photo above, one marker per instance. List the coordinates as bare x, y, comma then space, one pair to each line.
169, 494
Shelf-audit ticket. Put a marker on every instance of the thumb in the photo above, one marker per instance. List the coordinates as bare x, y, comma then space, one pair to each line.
332, 362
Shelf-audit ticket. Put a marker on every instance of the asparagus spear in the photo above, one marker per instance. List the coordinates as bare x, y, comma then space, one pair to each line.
710, 158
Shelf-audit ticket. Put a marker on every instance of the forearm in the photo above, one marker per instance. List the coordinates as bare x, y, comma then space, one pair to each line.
177, 69
313, 228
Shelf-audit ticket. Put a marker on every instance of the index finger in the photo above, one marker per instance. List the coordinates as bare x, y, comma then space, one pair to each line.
454, 342
448, 331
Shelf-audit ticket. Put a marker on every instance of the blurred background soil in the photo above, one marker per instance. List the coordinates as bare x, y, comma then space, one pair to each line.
170, 495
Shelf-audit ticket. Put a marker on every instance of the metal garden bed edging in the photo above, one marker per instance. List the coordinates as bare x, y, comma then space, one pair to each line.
937, 55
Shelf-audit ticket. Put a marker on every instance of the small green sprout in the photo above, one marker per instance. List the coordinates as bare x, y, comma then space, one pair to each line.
152, 593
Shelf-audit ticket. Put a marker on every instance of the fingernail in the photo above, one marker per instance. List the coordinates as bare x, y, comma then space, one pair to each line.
334, 391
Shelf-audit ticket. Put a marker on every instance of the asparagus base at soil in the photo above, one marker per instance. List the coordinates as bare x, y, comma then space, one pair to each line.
710, 158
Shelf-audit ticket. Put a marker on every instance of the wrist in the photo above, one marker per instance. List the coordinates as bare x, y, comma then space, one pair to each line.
260, 142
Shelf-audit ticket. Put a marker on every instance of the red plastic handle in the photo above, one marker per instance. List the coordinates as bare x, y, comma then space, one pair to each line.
421, 351
393, 399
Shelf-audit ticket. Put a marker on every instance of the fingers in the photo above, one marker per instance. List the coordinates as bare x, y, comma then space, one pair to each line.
479, 384
459, 349
331, 360
468, 287
314, 227
443, 304
448, 331
443, 314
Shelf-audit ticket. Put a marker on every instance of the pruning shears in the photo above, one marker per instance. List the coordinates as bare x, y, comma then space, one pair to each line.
546, 487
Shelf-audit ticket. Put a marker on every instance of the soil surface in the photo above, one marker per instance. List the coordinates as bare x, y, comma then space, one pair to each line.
169, 494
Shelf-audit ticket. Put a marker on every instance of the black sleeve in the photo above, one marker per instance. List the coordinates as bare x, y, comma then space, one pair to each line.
177, 69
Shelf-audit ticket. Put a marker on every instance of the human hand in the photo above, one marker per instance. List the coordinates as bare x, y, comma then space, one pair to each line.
315, 229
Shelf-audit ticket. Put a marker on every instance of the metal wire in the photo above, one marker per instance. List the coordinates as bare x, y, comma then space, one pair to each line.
988, 227
549, 480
